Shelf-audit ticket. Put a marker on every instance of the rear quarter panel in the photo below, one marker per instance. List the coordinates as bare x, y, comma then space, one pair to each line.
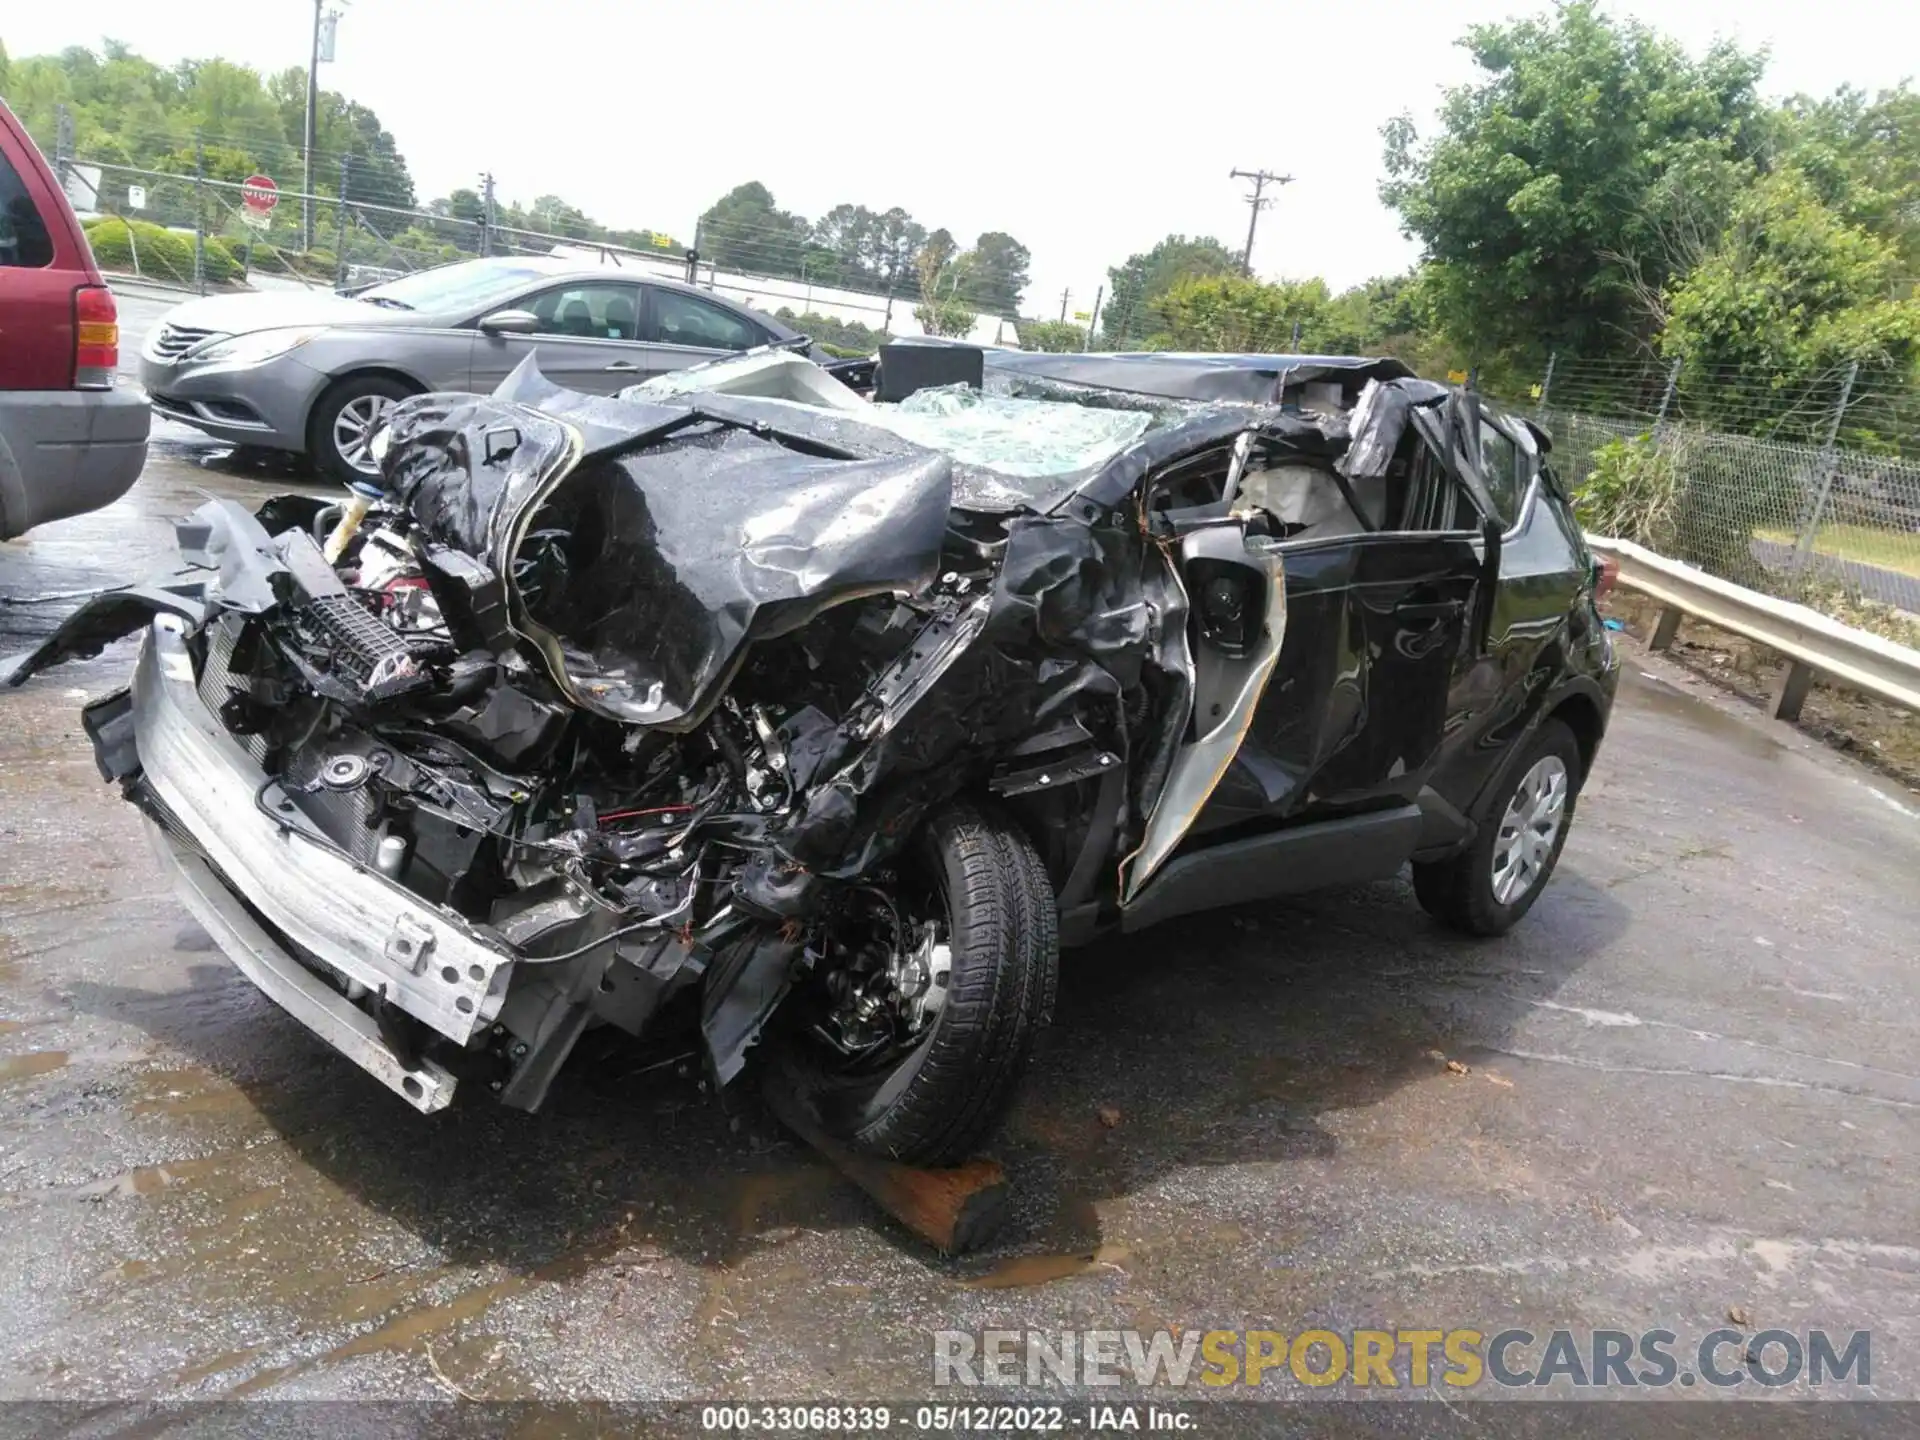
1545, 642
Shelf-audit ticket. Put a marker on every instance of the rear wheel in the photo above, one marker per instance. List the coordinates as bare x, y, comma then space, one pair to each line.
344, 421
931, 995
1486, 888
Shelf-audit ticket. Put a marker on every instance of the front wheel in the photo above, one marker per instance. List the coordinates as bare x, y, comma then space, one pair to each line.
931, 994
1486, 888
344, 421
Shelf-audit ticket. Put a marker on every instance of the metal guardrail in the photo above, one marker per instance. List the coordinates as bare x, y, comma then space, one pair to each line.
1813, 643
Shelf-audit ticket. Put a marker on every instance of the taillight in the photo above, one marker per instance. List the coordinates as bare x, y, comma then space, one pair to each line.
1606, 570
96, 338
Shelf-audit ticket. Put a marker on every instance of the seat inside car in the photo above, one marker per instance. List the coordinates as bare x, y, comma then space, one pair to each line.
576, 318
619, 317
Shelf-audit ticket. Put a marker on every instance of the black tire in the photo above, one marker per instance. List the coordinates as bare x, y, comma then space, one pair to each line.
322, 447
949, 1094
1459, 892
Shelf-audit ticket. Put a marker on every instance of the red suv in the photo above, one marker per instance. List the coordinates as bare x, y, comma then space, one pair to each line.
70, 441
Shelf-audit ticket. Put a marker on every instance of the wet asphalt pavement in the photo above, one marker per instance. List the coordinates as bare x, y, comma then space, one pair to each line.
1685, 1087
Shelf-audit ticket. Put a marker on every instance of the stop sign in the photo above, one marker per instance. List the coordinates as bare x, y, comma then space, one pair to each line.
259, 194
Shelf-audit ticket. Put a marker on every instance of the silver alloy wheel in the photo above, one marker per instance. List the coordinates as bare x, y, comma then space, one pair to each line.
354, 428
1529, 828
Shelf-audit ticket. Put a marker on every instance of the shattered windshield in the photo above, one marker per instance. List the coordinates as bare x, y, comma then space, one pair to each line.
1024, 438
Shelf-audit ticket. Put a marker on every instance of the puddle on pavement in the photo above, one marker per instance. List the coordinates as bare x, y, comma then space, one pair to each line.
25, 902
149, 1179
187, 1093
1648, 692
36, 1062
407, 1329
218, 1365
1020, 1271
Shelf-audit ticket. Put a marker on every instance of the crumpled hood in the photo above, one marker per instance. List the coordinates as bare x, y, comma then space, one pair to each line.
688, 538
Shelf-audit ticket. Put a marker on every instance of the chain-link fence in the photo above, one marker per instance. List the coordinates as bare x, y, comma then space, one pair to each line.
1809, 490
199, 233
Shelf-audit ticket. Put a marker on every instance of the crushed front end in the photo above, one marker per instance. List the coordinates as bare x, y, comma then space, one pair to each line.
624, 712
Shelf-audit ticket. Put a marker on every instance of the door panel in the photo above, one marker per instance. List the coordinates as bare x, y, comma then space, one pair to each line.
588, 339
683, 330
1494, 693
1356, 710
1237, 607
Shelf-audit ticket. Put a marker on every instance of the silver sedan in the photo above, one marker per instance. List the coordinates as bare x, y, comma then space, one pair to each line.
316, 373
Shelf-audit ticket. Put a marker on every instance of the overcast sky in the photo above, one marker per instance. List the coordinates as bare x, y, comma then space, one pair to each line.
1087, 130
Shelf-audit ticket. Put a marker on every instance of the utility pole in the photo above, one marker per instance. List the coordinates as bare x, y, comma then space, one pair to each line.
199, 215
1256, 202
340, 228
313, 107
1063, 305
486, 212
63, 146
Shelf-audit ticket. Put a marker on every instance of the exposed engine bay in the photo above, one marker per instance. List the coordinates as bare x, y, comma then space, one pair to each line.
652, 695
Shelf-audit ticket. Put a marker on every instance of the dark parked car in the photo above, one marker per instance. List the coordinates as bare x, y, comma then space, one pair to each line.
69, 440
817, 726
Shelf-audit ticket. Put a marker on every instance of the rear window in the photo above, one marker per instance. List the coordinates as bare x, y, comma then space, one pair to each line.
684, 320
24, 240
1500, 462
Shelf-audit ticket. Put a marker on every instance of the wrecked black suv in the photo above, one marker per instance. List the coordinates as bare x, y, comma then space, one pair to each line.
817, 725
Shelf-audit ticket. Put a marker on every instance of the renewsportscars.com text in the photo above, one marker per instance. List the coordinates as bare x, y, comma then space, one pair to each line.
1459, 1358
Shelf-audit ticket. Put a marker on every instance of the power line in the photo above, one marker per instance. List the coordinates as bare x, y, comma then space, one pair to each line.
1256, 202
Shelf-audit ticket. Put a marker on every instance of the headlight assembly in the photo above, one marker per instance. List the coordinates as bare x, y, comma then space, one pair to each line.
254, 348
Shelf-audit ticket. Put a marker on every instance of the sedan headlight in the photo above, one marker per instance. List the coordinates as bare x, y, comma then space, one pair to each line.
255, 348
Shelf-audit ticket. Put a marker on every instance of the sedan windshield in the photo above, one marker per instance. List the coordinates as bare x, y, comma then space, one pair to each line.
468, 285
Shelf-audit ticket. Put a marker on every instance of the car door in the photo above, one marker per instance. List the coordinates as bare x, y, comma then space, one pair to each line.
685, 329
1532, 620
1381, 607
587, 338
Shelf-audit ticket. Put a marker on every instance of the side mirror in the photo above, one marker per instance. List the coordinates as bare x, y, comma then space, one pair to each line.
510, 322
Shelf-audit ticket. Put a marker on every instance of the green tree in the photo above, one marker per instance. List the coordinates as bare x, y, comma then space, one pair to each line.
1359, 321
896, 244
940, 276
1549, 201
1135, 288
999, 273
128, 111
1863, 159
1233, 313
745, 230
1058, 337
845, 234
556, 217
1792, 292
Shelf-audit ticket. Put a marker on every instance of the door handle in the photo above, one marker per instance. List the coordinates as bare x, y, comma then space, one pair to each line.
622, 367
1429, 609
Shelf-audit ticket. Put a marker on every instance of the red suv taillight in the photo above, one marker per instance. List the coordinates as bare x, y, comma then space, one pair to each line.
96, 338
1606, 570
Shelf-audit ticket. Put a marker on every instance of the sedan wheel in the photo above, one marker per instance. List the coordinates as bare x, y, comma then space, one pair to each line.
344, 421
354, 428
